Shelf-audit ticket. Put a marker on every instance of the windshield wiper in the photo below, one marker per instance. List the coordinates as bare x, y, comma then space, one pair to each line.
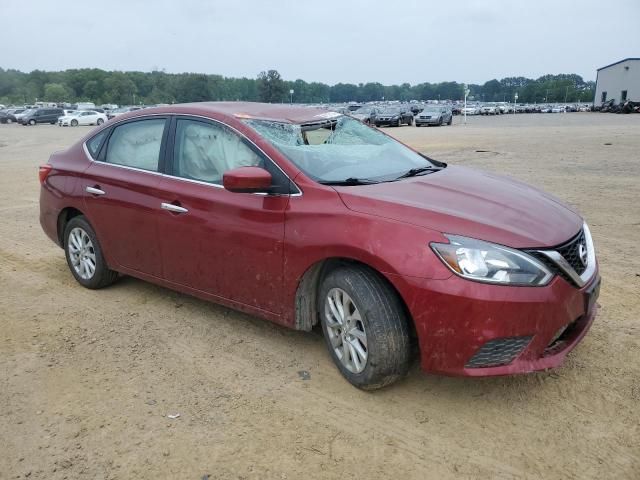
349, 181
419, 171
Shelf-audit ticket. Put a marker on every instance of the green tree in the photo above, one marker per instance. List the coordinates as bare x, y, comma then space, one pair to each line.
271, 87
55, 92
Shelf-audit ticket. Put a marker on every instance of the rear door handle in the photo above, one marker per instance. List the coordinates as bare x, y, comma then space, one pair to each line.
94, 191
173, 208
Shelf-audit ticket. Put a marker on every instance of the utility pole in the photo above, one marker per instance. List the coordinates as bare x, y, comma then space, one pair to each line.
466, 92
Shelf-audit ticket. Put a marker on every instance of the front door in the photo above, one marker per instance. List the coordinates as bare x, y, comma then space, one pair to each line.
225, 244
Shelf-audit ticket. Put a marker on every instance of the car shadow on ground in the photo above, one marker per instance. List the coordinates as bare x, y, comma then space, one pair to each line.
310, 346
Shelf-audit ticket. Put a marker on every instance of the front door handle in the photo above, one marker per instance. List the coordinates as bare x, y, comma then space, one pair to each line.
173, 208
94, 191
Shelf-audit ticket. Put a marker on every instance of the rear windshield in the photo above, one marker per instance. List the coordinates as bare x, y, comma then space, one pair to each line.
341, 148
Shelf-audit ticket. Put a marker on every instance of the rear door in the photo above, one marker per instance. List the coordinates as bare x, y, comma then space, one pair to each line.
222, 243
121, 193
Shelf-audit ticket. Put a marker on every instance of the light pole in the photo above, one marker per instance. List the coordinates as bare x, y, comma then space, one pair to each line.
515, 102
291, 95
466, 92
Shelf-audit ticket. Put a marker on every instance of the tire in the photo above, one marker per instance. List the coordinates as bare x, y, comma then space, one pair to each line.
377, 125
32, 122
418, 125
399, 123
440, 122
52, 123
99, 121
410, 121
381, 321
450, 121
74, 123
85, 254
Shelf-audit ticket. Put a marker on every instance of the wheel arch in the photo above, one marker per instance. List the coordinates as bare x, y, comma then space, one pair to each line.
66, 214
306, 297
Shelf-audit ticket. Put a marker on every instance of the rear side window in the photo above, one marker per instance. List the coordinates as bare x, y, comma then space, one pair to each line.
136, 144
94, 144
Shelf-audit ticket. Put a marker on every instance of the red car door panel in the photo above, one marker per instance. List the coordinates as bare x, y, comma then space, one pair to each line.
121, 195
125, 216
226, 244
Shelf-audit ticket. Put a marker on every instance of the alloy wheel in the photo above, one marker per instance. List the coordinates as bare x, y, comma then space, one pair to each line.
82, 253
346, 330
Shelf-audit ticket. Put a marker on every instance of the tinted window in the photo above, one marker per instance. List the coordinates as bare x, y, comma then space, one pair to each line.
204, 151
136, 144
93, 145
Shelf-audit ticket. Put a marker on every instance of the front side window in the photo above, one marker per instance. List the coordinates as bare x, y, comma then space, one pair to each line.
204, 151
336, 150
136, 144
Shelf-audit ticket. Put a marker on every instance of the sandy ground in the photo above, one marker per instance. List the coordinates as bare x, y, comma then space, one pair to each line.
88, 378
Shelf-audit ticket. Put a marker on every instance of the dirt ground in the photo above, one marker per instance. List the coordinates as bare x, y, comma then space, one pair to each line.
88, 378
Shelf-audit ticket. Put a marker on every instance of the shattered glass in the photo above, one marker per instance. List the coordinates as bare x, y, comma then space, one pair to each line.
334, 150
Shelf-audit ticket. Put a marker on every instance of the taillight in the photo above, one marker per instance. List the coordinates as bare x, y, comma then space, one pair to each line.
43, 172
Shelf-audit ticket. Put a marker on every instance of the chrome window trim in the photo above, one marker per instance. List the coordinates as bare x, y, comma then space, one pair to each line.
561, 262
113, 123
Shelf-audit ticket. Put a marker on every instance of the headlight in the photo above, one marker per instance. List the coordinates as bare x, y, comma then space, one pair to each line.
491, 263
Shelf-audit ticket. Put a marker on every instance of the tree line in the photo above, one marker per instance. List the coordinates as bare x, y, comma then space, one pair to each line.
133, 88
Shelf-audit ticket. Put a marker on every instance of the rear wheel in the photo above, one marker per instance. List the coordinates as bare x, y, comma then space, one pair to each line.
410, 122
100, 121
399, 122
84, 255
364, 326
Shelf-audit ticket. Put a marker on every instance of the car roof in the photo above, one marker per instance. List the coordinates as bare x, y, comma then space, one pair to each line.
250, 110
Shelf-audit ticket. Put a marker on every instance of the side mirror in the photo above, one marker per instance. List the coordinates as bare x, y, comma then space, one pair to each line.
247, 180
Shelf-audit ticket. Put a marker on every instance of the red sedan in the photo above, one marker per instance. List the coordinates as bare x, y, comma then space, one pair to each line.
304, 216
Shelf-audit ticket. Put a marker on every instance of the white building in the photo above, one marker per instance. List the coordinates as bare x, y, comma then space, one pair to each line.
619, 81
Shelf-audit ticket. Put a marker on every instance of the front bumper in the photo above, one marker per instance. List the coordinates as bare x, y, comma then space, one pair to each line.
427, 121
462, 325
387, 121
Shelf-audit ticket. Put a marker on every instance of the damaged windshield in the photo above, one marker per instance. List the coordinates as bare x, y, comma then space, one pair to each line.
343, 150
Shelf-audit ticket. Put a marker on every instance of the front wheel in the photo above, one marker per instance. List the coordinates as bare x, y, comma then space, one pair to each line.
32, 122
84, 255
74, 123
450, 120
410, 121
364, 326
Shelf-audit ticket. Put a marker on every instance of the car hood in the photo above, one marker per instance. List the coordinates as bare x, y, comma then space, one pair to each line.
472, 203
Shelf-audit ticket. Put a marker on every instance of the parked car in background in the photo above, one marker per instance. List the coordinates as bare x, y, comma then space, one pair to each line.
84, 106
366, 114
469, 110
434, 115
393, 116
42, 115
558, 109
489, 110
22, 114
9, 115
82, 117
384, 248
121, 111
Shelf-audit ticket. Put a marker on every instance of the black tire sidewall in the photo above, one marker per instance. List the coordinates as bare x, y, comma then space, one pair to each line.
378, 371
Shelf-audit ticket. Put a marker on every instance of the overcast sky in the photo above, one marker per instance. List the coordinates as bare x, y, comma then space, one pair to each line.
329, 41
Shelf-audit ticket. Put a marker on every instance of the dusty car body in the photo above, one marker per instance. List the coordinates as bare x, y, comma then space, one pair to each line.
267, 209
